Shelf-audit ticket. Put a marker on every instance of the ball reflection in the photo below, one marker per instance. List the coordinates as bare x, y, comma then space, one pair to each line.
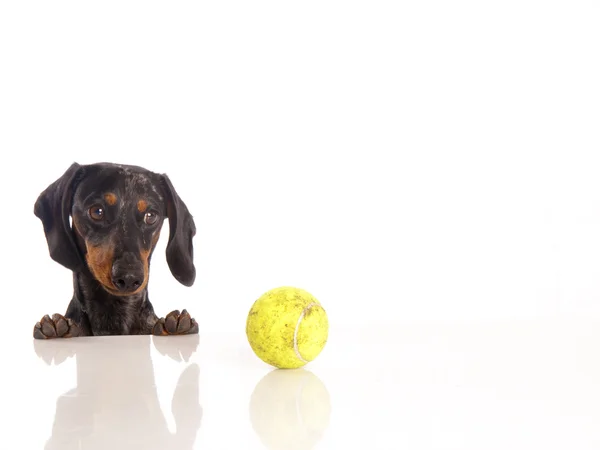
290, 409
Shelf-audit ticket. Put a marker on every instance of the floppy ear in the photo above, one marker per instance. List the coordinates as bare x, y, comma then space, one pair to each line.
180, 249
53, 208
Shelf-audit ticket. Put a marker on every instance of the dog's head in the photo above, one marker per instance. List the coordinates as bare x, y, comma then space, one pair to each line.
106, 219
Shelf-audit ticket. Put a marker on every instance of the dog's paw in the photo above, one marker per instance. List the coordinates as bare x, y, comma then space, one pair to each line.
175, 323
56, 326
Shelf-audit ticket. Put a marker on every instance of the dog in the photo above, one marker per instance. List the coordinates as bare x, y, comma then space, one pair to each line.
102, 221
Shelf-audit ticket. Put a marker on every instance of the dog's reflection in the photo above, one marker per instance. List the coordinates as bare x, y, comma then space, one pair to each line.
115, 403
290, 409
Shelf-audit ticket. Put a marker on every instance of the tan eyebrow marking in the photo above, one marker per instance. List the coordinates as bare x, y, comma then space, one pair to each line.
110, 198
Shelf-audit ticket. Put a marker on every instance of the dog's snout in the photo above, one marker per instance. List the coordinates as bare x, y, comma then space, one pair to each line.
127, 282
127, 274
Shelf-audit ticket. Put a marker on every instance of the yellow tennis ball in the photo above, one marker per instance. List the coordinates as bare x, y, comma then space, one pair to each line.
287, 327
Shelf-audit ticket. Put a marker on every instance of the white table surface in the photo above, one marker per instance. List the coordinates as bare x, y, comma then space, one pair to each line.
418, 385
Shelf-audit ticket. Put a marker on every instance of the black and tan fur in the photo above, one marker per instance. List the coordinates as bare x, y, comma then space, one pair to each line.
102, 221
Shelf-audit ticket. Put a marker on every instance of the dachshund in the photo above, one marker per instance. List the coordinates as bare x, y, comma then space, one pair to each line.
102, 221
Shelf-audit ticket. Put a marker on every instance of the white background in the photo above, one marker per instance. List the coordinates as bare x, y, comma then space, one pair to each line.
399, 160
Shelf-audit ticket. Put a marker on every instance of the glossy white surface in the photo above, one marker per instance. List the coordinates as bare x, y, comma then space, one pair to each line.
493, 385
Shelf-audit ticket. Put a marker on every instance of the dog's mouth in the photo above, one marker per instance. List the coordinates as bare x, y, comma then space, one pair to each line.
114, 290
121, 277
107, 283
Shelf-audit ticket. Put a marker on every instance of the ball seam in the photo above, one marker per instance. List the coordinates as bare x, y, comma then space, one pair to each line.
296, 350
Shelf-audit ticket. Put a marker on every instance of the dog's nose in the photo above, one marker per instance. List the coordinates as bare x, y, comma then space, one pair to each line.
127, 282
127, 274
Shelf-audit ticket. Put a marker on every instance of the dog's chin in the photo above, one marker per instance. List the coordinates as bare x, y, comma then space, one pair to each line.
112, 290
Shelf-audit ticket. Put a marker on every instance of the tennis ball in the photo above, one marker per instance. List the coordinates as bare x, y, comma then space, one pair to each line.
287, 327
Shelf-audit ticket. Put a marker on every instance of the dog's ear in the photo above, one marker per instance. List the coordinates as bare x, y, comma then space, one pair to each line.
53, 208
182, 229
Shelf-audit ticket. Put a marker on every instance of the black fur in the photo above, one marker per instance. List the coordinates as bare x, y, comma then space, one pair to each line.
102, 222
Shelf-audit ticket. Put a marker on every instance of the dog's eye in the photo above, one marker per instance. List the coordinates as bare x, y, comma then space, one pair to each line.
150, 218
96, 212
